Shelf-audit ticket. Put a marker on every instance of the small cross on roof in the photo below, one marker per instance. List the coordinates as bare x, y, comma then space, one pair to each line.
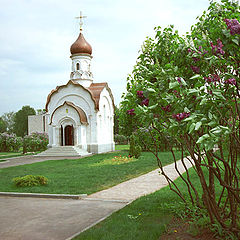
81, 20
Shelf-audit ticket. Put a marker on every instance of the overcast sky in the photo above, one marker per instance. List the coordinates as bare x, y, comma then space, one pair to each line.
36, 35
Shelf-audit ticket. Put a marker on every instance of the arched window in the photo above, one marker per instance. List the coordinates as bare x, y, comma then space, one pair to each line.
78, 66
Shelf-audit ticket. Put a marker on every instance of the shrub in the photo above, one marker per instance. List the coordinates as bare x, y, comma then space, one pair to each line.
9, 142
120, 139
135, 150
30, 180
35, 142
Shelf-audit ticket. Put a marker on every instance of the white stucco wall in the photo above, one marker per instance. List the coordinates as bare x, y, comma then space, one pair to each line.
37, 123
105, 122
82, 74
97, 135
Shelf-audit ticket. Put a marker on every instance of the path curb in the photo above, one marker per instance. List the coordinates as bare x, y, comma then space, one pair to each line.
41, 195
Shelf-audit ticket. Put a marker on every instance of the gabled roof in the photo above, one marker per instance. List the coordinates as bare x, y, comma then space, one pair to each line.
94, 90
81, 113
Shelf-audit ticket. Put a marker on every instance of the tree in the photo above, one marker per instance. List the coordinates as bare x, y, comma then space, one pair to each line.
188, 89
21, 120
3, 126
8, 118
116, 120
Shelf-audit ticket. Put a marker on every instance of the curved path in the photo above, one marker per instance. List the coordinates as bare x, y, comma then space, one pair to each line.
61, 219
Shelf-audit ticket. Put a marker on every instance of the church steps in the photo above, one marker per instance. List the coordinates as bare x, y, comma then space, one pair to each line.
68, 151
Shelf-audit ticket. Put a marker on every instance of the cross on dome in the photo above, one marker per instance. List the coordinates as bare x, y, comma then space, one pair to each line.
81, 20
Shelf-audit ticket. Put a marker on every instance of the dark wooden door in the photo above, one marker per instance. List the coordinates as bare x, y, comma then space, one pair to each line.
68, 131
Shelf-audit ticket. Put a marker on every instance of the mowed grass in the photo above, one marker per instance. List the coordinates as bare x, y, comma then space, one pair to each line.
147, 218
9, 154
79, 176
144, 219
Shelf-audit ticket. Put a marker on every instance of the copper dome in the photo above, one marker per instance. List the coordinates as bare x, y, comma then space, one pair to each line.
81, 46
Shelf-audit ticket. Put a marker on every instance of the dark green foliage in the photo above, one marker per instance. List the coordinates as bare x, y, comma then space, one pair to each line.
35, 142
8, 118
120, 139
30, 180
3, 125
135, 150
188, 88
116, 120
21, 120
9, 142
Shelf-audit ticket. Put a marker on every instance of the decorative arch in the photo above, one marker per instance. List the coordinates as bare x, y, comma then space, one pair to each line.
81, 113
73, 83
75, 95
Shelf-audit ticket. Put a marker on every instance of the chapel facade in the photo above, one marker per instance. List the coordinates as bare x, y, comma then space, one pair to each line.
79, 113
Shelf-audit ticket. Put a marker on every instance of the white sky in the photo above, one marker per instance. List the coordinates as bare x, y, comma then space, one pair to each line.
36, 35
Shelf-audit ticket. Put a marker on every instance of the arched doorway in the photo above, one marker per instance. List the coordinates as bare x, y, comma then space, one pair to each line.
69, 135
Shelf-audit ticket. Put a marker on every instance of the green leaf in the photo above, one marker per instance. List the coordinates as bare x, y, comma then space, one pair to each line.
195, 76
218, 94
216, 130
153, 106
198, 125
183, 82
202, 138
190, 91
210, 115
151, 90
235, 41
204, 100
212, 123
173, 84
192, 127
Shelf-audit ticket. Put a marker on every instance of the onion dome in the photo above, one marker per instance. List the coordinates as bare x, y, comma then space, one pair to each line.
81, 46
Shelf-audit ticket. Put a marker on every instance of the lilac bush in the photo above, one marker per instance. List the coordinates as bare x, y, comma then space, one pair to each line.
192, 84
35, 142
10, 142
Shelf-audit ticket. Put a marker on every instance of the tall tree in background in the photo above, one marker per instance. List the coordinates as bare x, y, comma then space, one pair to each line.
21, 120
3, 126
116, 120
8, 119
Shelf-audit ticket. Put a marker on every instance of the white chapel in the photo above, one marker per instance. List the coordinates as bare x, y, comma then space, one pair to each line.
79, 114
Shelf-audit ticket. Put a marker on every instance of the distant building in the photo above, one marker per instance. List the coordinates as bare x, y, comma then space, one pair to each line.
79, 113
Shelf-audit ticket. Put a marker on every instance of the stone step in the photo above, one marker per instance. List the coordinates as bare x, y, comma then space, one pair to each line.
69, 151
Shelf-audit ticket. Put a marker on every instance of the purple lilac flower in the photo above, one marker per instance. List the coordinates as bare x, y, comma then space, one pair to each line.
131, 111
140, 94
145, 102
212, 78
180, 116
231, 81
204, 52
233, 25
210, 92
167, 108
195, 59
195, 69
217, 49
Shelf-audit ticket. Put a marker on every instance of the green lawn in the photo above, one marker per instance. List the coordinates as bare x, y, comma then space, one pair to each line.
9, 154
78, 176
4, 155
145, 218
122, 147
148, 216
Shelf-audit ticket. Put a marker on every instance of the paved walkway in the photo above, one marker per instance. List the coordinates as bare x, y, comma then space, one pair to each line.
61, 219
28, 159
